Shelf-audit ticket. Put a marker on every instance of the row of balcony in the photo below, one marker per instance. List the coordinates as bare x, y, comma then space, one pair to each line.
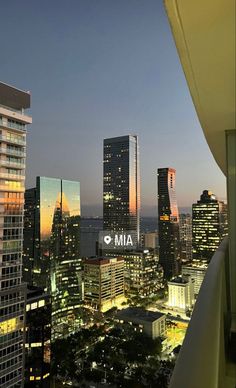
8, 163
8, 187
6, 175
13, 140
15, 152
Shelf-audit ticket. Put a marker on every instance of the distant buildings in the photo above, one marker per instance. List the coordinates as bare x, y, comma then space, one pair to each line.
181, 293
149, 240
144, 321
13, 123
38, 338
104, 282
121, 185
168, 222
196, 270
52, 248
185, 231
208, 225
89, 235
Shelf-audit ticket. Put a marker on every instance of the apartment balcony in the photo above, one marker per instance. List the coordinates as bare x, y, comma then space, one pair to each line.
207, 358
14, 177
13, 140
14, 152
204, 34
19, 165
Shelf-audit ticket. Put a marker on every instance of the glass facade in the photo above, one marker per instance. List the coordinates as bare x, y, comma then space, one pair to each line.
121, 184
54, 242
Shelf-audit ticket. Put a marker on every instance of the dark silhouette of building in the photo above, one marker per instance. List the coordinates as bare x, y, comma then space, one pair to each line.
38, 338
168, 222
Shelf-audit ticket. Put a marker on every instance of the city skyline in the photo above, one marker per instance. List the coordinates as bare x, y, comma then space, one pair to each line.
76, 103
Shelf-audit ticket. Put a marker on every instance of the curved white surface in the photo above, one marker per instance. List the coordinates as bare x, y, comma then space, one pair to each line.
204, 33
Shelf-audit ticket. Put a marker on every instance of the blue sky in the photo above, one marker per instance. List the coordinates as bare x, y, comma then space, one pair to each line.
100, 69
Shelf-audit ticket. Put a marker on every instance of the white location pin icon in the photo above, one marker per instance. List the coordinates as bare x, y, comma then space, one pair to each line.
107, 239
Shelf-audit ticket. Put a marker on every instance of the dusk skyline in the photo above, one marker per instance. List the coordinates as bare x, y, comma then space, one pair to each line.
105, 69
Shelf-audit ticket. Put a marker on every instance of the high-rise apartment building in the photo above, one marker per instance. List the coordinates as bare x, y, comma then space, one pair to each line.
168, 222
121, 184
104, 282
13, 122
208, 225
185, 232
52, 244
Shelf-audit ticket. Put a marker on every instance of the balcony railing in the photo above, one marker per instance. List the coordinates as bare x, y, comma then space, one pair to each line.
13, 140
203, 360
11, 164
12, 176
14, 152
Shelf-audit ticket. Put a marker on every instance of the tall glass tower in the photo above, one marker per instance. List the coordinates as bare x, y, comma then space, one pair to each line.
209, 225
121, 184
168, 222
52, 237
13, 122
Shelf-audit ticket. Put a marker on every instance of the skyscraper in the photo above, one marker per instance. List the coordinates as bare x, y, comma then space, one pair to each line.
209, 225
121, 184
52, 236
13, 123
168, 222
185, 231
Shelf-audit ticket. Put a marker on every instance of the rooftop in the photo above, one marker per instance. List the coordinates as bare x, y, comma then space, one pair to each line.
179, 280
100, 260
133, 313
14, 98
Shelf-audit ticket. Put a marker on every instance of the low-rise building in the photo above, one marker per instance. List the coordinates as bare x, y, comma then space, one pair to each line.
181, 293
104, 282
152, 323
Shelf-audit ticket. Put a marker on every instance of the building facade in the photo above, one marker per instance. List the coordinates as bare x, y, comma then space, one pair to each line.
121, 185
181, 293
13, 123
38, 338
149, 240
52, 236
104, 282
143, 274
209, 225
168, 222
196, 270
185, 232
